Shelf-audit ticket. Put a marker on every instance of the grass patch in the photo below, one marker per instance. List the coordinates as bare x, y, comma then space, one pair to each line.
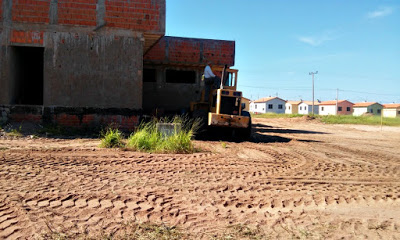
111, 138
148, 138
136, 231
339, 119
276, 115
365, 120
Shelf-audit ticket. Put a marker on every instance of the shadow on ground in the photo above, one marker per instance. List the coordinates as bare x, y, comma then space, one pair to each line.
260, 134
269, 129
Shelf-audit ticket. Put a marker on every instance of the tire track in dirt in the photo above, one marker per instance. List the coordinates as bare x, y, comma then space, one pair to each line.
279, 186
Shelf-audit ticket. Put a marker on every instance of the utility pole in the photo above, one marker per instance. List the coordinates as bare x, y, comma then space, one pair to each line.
337, 100
312, 73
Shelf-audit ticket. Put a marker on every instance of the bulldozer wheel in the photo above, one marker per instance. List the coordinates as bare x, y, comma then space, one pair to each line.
245, 133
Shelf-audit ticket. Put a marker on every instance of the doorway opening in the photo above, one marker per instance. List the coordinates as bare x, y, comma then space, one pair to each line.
27, 75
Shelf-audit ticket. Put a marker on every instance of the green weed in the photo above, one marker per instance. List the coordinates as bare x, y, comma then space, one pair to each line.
112, 138
223, 144
148, 138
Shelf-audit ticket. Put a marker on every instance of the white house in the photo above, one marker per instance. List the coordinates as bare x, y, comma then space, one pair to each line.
268, 105
329, 107
305, 107
367, 107
391, 110
292, 107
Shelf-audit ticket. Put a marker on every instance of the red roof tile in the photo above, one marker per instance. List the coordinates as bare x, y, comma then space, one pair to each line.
293, 102
364, 104
333, 102
392, 105
310, 103
261, 100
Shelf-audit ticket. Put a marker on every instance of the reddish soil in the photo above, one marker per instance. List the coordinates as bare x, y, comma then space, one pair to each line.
295, 179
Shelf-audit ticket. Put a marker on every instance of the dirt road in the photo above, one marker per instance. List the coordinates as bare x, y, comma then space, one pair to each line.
295, 179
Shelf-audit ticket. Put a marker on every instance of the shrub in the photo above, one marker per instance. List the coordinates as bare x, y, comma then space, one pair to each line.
112, 138
147, 138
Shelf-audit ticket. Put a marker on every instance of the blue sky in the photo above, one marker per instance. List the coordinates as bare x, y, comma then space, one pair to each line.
354, 45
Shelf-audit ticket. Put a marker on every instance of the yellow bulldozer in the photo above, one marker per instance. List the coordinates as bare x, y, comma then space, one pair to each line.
224, 108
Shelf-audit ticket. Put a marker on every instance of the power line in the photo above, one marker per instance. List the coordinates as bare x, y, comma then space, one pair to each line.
320, 89
370, 93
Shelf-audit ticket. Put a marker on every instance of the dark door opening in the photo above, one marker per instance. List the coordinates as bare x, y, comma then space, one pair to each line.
27, 72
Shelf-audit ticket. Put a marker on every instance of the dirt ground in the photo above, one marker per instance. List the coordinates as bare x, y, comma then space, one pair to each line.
295, 179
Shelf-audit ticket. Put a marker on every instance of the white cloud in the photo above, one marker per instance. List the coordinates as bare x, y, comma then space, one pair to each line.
381, 12
317, 40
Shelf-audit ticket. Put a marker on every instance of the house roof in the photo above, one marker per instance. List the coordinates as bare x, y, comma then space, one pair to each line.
365, 104
310, 103
261, 100
293, 102
392, 105
333, 102
246, 99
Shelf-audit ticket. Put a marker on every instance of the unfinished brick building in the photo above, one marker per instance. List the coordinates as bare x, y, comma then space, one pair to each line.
77, 62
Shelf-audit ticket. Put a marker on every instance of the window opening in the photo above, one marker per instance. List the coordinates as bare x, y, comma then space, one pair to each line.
178, 76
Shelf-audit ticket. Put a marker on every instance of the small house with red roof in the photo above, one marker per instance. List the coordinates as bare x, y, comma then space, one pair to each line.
367, 107
391, 110
268, 105
344, 107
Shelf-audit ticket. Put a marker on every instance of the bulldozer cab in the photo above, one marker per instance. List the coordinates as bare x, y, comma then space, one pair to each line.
229, 80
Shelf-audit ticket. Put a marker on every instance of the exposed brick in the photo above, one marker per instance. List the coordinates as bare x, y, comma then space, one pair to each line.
129, 122
88, 119
191, 51
31, 11
67, 120
77, 12
22, 117
34, 37
141, 15
123, 122
157, 52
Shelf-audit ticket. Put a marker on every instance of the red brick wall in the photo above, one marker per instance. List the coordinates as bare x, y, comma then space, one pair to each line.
123, 122
140, 15
31, 11
175, 50
70, 120
219, 52
22, 117
77, 12
182, 50
157, 52
135, 14
27, 37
